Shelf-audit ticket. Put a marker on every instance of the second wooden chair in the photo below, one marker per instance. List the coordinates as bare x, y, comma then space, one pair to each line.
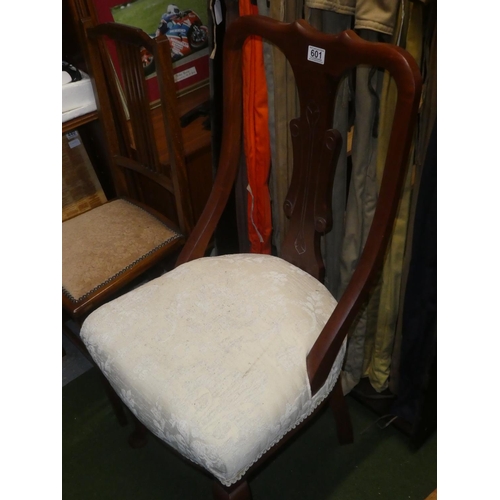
109, 248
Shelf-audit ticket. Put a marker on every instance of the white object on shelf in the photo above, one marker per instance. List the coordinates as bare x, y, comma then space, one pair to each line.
77, 98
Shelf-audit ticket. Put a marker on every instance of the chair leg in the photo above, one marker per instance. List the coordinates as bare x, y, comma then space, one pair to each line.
341, 414
238, 491
116, 402
139, 436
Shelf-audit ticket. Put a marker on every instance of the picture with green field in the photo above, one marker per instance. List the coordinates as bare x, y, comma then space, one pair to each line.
147, 14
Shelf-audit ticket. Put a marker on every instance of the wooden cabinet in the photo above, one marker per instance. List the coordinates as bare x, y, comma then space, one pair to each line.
87, 125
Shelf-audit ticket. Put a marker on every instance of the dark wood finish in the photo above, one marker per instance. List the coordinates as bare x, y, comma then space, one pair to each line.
316, 147
73, 38
198, 151
78, 122
194, 137
114, 399
340, 410
432, 496
238, 491
74, 51
179, 159
140, 145
139, 436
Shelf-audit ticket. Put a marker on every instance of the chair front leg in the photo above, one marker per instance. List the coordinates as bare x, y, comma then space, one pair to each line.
238, 491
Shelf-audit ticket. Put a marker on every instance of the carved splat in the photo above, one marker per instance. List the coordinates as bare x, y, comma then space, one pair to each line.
316, 148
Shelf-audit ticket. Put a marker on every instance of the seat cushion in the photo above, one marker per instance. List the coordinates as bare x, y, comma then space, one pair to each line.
99, 245
211, 357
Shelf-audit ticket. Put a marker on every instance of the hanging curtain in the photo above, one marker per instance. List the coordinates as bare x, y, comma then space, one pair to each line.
419, 318
428, 116
362, 199
375, 22
371, 341
384, 306
286, 107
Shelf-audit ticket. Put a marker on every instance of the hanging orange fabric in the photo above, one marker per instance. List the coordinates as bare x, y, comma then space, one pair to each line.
257, 142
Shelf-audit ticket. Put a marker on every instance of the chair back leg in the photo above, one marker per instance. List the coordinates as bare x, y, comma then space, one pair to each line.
139, 436
341, 413
115, 401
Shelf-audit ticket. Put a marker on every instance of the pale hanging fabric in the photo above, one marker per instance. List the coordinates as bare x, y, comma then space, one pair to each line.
343, 246
378, 16
375, 22
361, 202
383, 309
286, 107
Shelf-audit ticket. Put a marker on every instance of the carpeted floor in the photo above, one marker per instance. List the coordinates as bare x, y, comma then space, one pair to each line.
99, 464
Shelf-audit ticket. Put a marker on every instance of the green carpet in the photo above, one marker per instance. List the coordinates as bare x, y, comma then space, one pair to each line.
99, 464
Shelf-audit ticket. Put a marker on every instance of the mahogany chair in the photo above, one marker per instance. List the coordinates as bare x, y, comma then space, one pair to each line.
224, 358
109, 248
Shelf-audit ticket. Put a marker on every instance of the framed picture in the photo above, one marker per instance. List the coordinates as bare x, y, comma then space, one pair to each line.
184, 23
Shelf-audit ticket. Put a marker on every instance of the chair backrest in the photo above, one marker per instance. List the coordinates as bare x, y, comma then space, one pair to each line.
319, 62
131, 142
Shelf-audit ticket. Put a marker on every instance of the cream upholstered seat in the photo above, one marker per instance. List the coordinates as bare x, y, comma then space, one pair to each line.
101, 244
215, 375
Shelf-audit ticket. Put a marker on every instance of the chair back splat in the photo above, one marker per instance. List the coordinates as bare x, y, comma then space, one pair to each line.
319, 61
131, 143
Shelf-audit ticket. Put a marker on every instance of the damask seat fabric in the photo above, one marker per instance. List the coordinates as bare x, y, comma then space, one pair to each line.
211, 357
99, 245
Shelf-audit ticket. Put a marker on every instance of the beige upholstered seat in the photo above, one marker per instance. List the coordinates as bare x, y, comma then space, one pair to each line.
101, 244
217, 376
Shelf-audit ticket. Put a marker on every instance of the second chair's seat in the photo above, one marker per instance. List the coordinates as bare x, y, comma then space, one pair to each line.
219, 377
103, 243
